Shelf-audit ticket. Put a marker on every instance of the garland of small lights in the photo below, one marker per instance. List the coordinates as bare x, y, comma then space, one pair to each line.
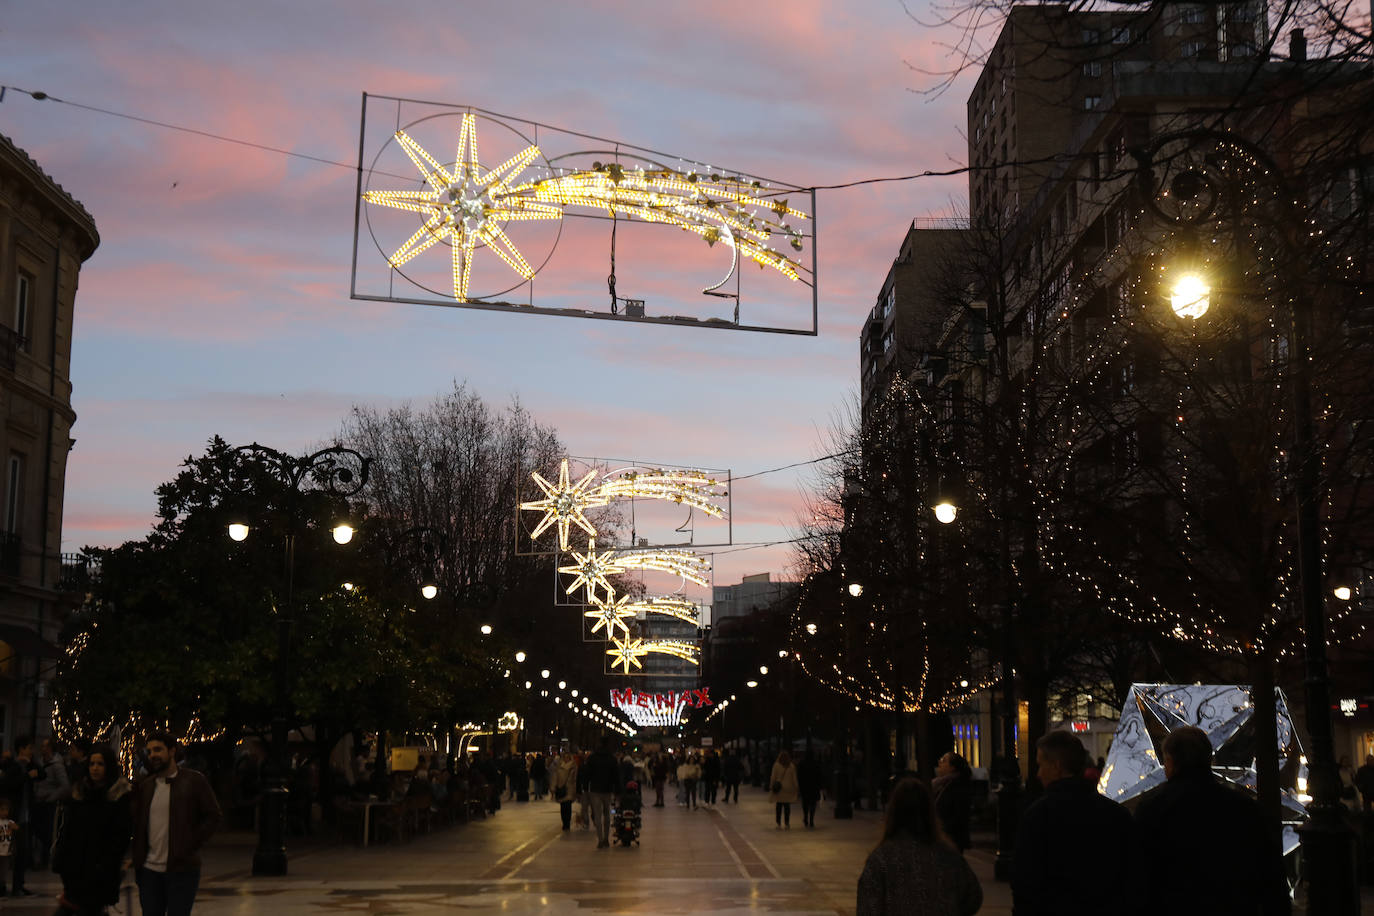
465, 206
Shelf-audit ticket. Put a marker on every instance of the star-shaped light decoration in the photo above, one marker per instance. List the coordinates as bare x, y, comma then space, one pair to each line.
627, 652
592, 569
611, 615
465, 206
565, 503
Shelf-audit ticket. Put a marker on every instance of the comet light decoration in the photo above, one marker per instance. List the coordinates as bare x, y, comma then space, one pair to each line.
466, 206
627, 652
667, 606
565, 503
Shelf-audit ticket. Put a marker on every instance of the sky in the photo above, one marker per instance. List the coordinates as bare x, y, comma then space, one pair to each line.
218, 301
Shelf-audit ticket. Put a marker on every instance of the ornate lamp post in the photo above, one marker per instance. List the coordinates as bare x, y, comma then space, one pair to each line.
340, 472
1194, 194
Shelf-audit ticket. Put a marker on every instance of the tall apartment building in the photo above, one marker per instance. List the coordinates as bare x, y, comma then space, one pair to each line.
45, 235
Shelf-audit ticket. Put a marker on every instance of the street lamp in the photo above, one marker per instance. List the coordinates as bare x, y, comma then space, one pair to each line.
1328, 842
520, 656
1342, 592
486, 629
340, 472
856, 589
1189, 296
945, 511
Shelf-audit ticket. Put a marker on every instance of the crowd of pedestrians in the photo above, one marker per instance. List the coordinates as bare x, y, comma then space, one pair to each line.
1197, 845
78, 814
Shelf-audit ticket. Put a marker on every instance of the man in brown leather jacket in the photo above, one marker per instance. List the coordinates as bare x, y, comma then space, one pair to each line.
175, 812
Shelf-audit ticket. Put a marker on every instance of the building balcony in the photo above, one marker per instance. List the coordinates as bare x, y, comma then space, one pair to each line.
11, 342
11, 553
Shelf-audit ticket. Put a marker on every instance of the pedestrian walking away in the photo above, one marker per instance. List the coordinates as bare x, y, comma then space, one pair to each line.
603, 783
710, 777
1075, 850
660, 771
1195, 814
97, 824
783, 790
916, 868
564, 786
687, 775
810, 780
953, 790
175, 812
731, 773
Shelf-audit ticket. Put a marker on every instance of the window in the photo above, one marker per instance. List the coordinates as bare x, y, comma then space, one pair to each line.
1122, 35
1191, 50
22, 297
1091, 36
1091, 101
1192, 15
1092, 68
14, 493
887, 340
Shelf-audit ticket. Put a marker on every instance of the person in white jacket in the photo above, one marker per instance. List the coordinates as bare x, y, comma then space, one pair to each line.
687, 775
783, 790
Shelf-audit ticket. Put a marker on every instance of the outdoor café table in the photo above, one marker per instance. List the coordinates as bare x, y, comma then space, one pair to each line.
367, 807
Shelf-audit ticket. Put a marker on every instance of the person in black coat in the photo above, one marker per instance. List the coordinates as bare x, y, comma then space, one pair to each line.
1209, 843
953, 788
810, 781
97, 824
1075, 850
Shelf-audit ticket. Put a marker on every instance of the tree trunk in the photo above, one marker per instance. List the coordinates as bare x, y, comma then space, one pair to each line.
1266, 743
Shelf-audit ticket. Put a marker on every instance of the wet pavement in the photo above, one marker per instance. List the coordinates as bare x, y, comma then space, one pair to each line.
725, 860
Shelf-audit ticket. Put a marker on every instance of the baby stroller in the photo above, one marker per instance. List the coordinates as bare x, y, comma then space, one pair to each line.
627, 815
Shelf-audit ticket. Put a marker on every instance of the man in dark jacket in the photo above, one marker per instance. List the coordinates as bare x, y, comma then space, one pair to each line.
1075, 850
603, 781
17, 785
731, 772
1211, 843
175, 812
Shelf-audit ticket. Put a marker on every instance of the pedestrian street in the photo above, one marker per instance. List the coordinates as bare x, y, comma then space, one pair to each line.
726, 860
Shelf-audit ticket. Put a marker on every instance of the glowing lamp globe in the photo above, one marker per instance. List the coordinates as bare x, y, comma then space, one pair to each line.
1343, 592
945, 512
544, 674
751, 683
520, 656
1189, 296
486, 629
856, 589
429, 590
238, 532
763, 669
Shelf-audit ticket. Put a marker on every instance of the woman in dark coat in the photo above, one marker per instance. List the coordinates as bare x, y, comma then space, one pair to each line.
916, 868
97, 824
953, 788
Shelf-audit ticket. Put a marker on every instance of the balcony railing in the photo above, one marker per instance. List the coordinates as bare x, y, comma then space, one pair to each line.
11, 342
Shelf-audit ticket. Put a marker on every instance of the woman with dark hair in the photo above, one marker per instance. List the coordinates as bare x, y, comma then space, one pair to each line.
953, 790
916, 869
96, 826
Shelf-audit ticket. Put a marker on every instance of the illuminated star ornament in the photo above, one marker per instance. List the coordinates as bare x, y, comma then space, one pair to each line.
466, 206
611, 615
627, 651
591, 570
564, 504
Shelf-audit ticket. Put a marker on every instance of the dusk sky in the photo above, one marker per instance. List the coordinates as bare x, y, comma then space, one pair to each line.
218, 300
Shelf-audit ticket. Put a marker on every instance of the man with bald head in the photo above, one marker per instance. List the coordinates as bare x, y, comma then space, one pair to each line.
1213, 848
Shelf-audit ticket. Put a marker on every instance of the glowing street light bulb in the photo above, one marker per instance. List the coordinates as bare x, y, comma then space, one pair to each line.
963, 683
1343, 592
343, 534
520, 656
562, 685
751, 683
763, 669
1189, 296
945, 512
856, 589
782, 653
486, 629
429, 590
348, 586
811, 629
544, 674
238, 531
